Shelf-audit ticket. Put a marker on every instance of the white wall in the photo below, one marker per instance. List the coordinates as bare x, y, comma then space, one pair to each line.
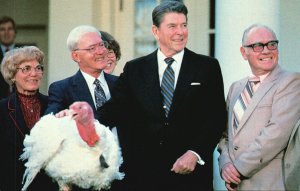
289, 41
64, 15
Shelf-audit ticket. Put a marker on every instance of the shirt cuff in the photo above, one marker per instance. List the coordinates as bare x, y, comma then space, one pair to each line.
200, 161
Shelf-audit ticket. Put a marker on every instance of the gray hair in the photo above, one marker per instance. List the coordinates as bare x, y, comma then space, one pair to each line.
167, 7
76, 34
14, 58
246, 32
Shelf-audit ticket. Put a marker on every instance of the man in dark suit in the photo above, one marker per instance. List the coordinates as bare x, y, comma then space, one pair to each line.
165, 142
89, 51
7, 38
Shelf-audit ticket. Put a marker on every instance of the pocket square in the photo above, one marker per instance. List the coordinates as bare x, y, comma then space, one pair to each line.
195, 84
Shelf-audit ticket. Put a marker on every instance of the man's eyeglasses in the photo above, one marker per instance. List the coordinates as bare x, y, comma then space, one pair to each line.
93, 48
259, 47
28, 69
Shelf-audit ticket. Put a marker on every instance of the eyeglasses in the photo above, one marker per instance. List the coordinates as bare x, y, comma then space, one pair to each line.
93, 48
28, 69
259, 47
111, 53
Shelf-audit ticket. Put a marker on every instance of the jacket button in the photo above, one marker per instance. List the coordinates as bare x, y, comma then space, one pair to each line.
261, 160
161, 142
166, 124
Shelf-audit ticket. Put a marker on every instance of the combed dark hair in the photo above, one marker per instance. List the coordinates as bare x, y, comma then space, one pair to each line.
112, 43
167, 7
6, 19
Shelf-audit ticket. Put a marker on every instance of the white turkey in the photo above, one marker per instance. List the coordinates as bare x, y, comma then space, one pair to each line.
73, 150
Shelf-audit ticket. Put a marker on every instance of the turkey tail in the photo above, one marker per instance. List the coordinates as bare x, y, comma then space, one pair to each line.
29, 175
103, 162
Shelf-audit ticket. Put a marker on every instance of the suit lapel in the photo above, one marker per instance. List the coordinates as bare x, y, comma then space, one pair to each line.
15, 114
1, 54
110, 81
267, 84
186, 74
150, 85
81, 90
235, 96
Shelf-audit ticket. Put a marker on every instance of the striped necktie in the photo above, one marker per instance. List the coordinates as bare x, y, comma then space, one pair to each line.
243, 100
167, 85
100, 97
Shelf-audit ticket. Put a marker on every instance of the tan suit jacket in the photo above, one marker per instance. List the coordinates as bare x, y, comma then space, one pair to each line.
256, 148
292, 160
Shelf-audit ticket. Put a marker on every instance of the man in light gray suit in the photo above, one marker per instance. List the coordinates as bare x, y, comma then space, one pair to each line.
261, 117
292, 160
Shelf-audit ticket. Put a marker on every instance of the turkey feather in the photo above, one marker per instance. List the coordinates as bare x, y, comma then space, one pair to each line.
55, 145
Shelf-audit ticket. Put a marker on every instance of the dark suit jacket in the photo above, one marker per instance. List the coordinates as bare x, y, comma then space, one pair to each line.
65, 92
12, 133
4, 87
197, 118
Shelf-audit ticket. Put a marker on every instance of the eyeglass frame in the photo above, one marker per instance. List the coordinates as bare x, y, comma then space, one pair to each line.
93, 47
262, 45
39, 69
111, 52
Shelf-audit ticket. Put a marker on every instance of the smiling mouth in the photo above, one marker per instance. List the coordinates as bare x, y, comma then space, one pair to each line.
265, 59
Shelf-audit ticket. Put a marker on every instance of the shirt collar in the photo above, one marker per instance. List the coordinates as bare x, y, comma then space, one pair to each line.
3, 48
177, 57
90, 79
261, 78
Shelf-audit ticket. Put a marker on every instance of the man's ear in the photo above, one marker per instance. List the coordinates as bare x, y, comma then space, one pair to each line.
75, 57
244, 53
155, 32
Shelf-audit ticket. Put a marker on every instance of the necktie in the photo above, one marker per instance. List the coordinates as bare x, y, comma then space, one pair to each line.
167, 85
7, 49
243, 100
100, 97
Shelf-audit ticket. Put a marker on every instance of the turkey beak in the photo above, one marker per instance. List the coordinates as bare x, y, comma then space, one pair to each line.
73, 114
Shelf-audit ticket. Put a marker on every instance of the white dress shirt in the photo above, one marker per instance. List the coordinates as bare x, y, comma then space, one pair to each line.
90, 82
176, 65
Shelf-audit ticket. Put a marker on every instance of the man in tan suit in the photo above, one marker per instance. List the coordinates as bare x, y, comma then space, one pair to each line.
292, 160
261, 117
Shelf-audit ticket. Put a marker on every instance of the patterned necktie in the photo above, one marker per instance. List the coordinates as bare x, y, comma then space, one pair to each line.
167, 85
100, 97
243, 100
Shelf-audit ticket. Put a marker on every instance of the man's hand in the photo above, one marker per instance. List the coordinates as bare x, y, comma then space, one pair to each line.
63, 113
231, 176
185, 164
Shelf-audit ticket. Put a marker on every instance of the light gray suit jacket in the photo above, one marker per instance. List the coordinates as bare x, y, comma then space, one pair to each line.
291, 160
257, 147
